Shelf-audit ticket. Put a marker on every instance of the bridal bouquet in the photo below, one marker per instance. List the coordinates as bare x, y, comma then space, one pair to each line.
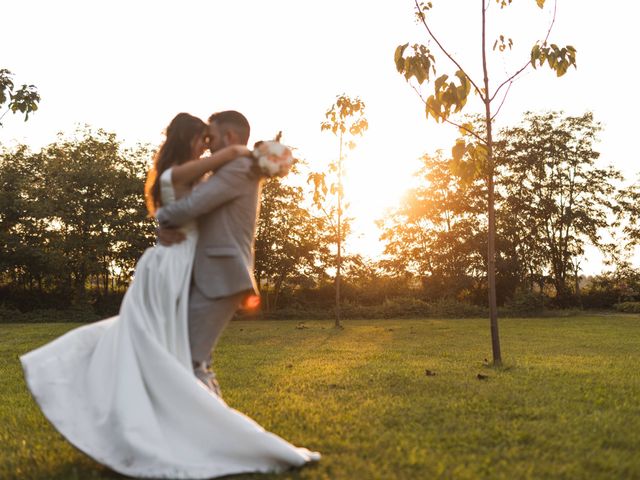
273, 159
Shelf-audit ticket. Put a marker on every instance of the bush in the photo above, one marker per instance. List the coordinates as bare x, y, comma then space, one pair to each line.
8, 314
44, 315
524, 303
390, 308
27, 300
399, 307
628, 307
34, 306
600, 299
453, 309
108, 305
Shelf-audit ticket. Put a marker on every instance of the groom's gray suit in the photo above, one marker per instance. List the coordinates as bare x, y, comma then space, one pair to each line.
226, 208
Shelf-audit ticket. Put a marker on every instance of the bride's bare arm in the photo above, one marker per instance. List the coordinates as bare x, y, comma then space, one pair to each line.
189, 172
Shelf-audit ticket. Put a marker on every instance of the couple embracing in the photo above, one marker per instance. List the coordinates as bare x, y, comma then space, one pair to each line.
136, 391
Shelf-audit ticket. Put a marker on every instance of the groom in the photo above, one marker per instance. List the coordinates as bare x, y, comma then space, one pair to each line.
226, 208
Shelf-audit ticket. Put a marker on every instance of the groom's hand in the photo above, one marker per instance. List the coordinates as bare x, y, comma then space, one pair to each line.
170, 236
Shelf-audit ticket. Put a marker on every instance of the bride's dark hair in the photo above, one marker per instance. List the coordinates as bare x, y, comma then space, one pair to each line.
175, 150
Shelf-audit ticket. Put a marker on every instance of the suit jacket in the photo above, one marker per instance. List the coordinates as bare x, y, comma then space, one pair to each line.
226, 207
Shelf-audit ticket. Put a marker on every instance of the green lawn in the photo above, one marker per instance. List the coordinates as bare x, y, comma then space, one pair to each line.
566, 405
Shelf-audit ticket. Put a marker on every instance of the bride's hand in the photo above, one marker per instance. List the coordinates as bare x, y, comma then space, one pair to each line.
169, 236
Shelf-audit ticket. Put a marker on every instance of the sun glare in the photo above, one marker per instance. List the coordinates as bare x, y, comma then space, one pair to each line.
376, 179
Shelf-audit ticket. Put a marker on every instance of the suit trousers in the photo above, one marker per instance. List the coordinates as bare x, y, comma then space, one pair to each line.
208, 317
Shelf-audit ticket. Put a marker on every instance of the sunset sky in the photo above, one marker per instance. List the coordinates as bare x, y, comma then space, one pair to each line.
130, 66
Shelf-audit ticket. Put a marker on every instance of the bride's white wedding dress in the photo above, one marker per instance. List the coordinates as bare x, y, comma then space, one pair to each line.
122, 390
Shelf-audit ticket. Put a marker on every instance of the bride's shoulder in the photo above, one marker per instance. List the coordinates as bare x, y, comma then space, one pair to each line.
166, 182
165, 177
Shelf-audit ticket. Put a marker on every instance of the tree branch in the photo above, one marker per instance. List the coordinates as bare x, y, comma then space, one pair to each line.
445, 119
330, 219
512, 77
424, 22
2, 116
509, 80
503, 99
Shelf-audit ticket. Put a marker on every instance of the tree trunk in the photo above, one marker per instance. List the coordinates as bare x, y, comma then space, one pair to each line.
80, 288
491, 243
339, 259
278, 287
563, 293
491, 267
267, 306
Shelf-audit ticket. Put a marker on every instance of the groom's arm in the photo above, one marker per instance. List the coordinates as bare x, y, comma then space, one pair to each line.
219, 189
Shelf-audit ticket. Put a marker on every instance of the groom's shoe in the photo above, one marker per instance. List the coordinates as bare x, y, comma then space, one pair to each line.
206, 376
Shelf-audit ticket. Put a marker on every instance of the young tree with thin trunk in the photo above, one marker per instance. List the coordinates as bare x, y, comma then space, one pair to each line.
473, 153
345, 119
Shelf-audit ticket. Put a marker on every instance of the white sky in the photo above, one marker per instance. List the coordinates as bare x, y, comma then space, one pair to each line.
130, 66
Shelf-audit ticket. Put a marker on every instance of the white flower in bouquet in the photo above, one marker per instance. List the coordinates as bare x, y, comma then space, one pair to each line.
273, 158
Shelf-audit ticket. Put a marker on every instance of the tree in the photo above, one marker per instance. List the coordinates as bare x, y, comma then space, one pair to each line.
627, 238
289, 246
23, 231
345, 119
367, 282
628, 216
555, 192
24, 99
621, 284
73, 214
434, 234
94, 196
474, 151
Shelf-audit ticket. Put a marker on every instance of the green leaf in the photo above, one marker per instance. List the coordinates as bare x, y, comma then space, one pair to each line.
434, 108
419, 65
458, 150
464, 84
559, 59
481, 152
398, 57
535, 54
466, 128
440, 81
418, 71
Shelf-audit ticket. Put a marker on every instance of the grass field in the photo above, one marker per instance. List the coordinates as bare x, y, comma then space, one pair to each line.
566, 404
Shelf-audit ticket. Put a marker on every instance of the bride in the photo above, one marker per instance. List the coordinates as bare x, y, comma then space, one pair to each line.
122, 390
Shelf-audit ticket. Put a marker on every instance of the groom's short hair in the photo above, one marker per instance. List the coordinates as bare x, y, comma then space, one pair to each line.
230, 119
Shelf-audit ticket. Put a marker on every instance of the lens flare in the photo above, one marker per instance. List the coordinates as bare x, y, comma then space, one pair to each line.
252, 302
